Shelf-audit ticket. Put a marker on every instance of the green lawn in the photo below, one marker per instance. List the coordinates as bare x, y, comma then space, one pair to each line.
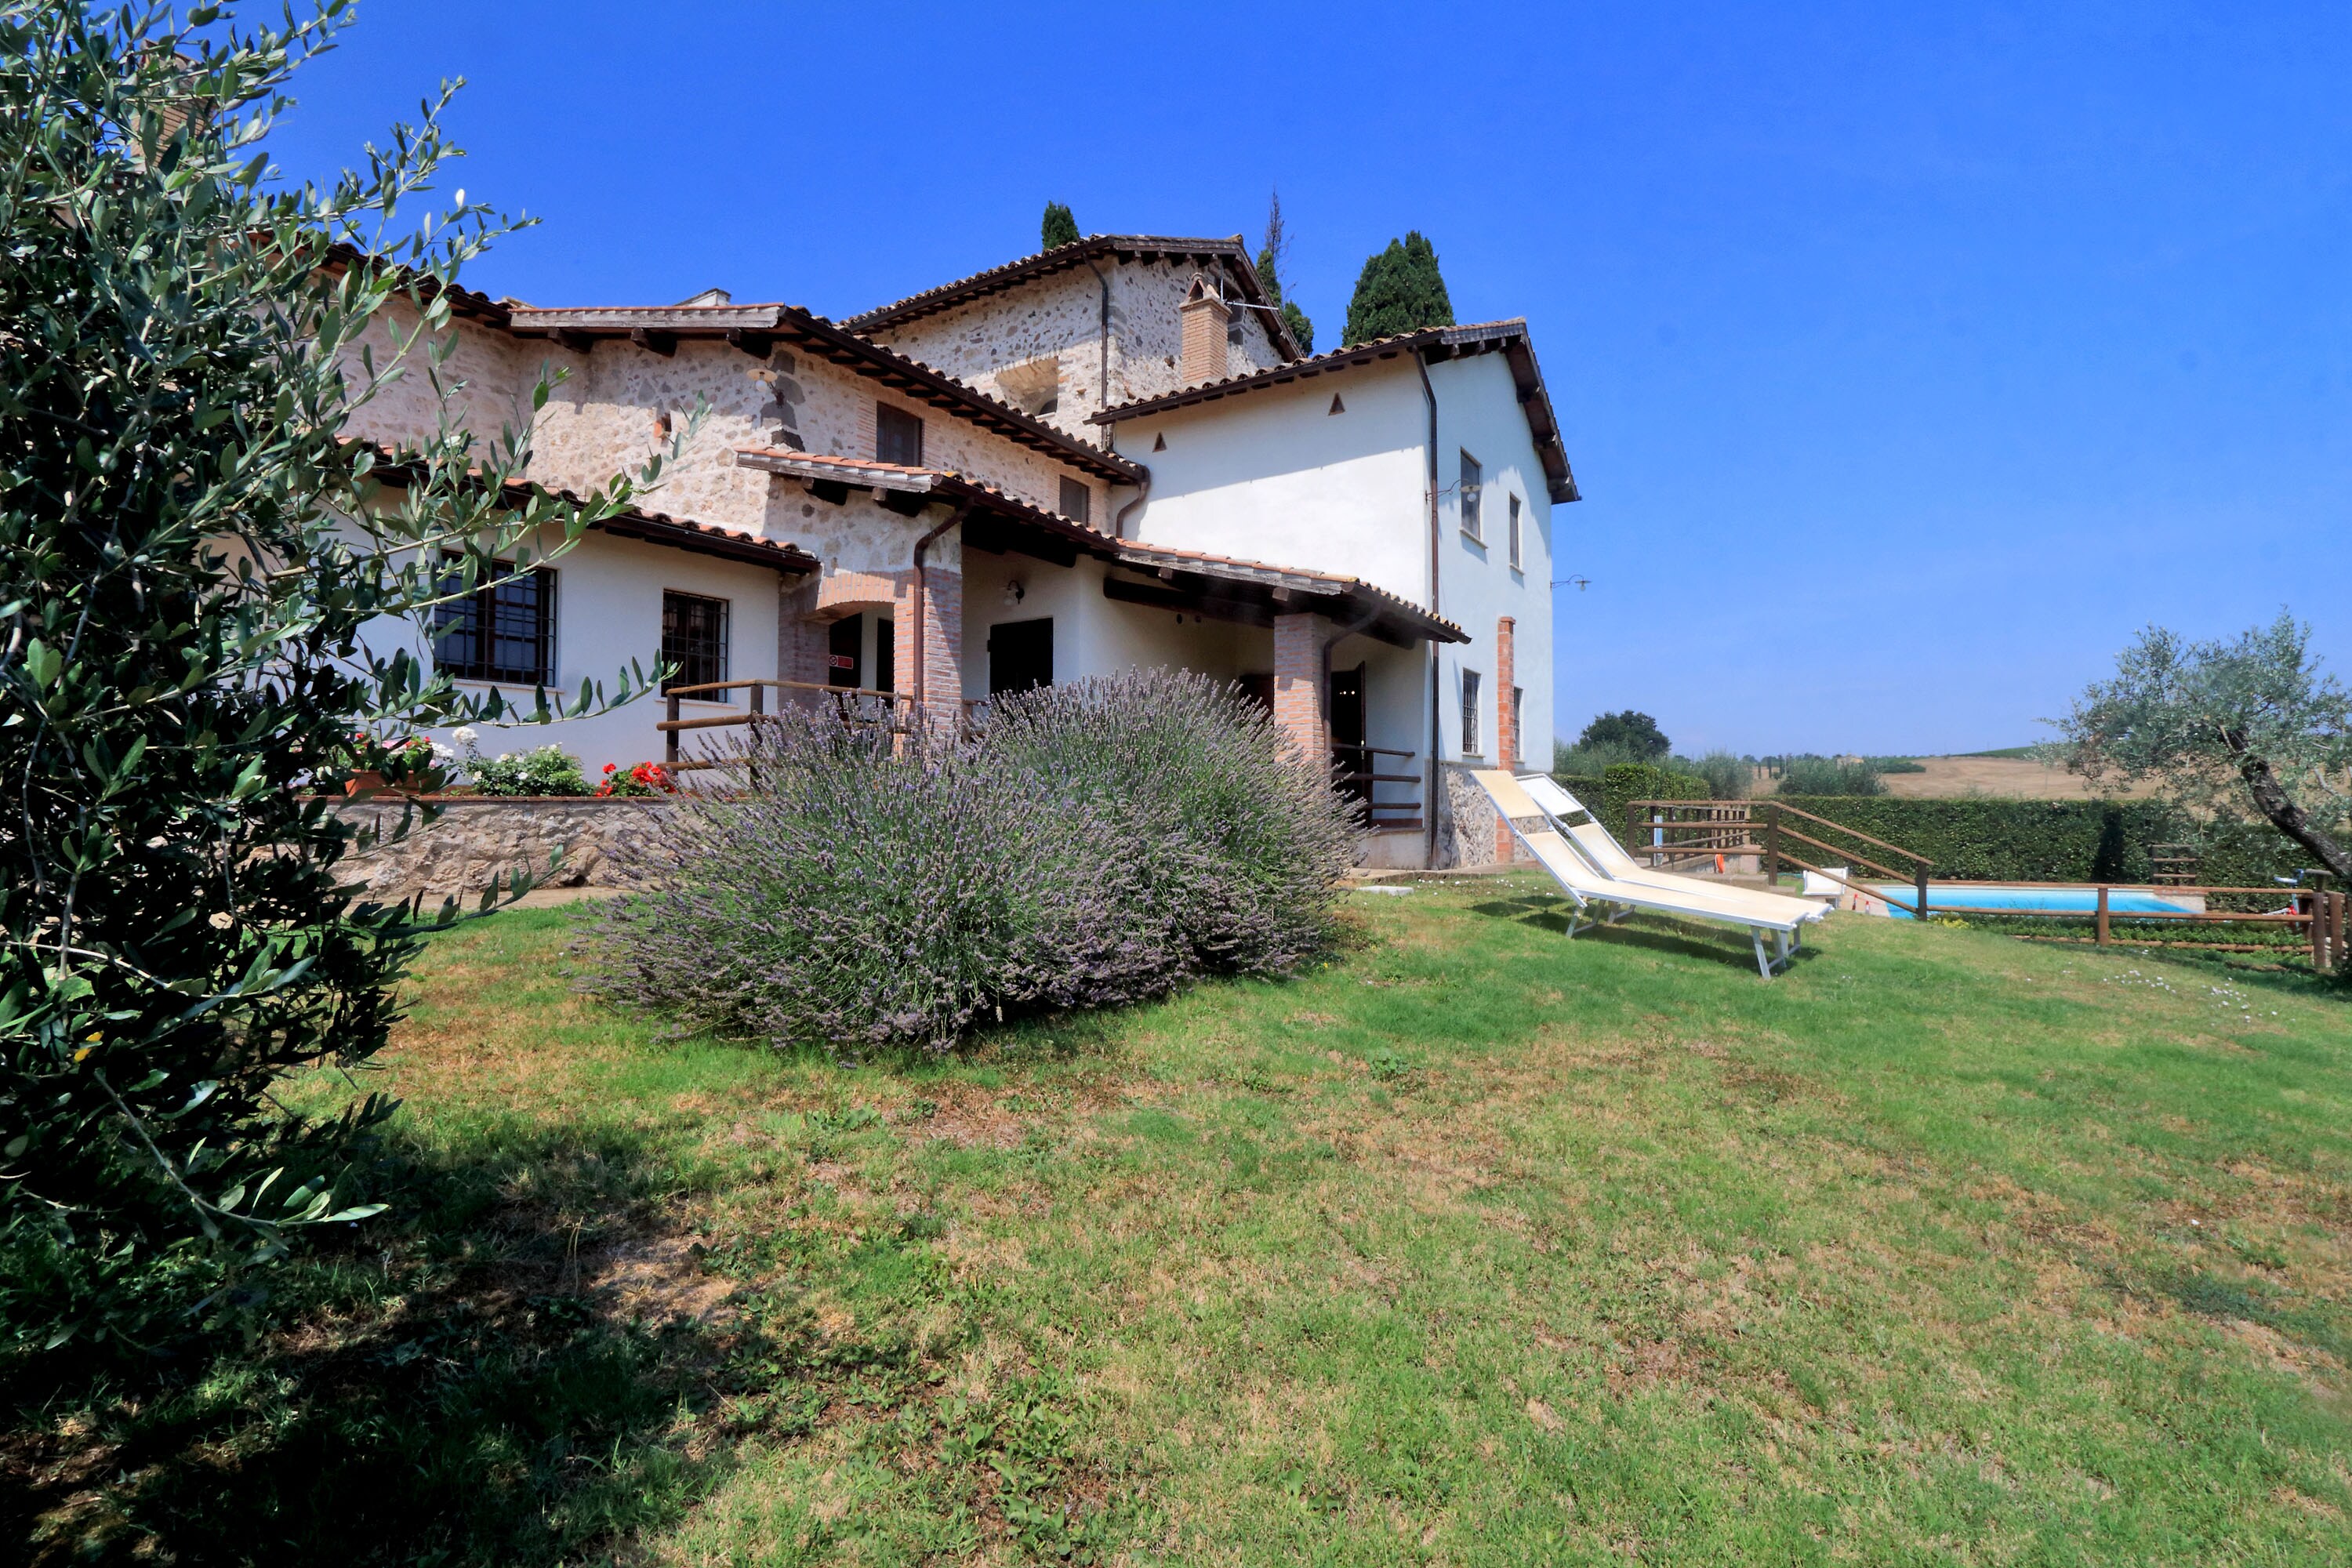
1475, 1246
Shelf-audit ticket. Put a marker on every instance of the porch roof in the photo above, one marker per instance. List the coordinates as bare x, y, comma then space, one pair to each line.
647, 527
1253, 592
1508, 338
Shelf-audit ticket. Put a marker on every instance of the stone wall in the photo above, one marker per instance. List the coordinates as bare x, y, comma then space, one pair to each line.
620, 403
490, 375
1061, 316
1470, 831
479, 838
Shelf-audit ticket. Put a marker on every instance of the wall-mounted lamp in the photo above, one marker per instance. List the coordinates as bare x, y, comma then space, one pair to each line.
1015, 592
1580, 583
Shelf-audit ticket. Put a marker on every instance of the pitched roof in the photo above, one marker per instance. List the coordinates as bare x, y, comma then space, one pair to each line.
1270, 589
650, 527
1294, 580
1230, 251
757, 328
1509, 338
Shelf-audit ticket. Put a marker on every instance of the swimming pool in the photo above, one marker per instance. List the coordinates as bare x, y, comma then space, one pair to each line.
1971, 896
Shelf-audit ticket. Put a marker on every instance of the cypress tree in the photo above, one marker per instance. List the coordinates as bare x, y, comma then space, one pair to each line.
1271, 256
1059, 227
1400, 290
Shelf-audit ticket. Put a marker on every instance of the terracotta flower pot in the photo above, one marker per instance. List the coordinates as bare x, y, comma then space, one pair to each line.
363, 781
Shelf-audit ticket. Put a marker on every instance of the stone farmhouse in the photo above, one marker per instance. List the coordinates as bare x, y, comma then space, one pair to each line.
1106, 455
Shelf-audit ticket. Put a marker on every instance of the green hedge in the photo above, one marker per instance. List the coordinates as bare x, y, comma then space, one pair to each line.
1625, 783
2049, 840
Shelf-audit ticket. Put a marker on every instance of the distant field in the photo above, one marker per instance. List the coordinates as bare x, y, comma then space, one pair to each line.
2010, 772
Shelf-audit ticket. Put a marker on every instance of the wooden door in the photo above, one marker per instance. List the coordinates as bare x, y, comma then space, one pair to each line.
1020, 655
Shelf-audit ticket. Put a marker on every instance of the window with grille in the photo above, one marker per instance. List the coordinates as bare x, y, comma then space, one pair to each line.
1515, 532
1076, 498
503, 630
897, 436
1470, 713
1471, 476
693, 640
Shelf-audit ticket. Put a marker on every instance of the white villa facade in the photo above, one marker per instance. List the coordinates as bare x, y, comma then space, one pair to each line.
1103, 456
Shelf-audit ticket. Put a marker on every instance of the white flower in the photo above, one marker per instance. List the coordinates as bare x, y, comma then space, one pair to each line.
442, 755
465, 736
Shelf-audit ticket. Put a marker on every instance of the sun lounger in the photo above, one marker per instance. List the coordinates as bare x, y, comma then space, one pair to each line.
1586, 885
1612, 860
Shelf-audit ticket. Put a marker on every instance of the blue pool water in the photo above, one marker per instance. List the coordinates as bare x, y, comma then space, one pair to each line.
2071, 900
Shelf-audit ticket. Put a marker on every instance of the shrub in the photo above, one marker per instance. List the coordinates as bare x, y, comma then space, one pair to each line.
1831, 775
2056, 840
1629, 781
1089, 845
1727, 776
547, 770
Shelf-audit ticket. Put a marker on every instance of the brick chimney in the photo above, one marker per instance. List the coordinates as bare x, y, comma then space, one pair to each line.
1204, 333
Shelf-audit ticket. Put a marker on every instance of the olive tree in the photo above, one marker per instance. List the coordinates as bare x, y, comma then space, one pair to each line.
192, 549
2223, 726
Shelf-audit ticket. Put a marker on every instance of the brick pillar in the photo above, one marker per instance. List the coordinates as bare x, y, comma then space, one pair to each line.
942, 650
1506, 729
1298, 684
801, 646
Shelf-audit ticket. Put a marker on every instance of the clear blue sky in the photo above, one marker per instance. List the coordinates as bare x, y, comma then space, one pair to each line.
1910, 357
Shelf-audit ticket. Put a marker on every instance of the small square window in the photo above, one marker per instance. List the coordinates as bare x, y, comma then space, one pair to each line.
1470, 713
503, 630
897, 436
1514, 533
1077, 498
1471, 476
693, 640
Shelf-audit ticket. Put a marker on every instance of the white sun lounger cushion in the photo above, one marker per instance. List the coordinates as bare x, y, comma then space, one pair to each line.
1610, 857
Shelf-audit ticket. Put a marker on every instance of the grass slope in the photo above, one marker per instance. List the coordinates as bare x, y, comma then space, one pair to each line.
1473, 1246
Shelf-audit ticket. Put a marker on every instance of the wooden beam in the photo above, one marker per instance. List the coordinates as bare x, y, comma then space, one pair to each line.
830, 490
906, 503
1215, 607
578, 343
662, 343
758, 345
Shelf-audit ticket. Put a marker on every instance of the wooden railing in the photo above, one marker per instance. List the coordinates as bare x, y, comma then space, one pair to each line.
1666, 830
1719, 820
1355, 771
858, 704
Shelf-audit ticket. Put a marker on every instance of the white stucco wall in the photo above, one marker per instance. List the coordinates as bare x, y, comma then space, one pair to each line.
1478, 409
608, 612
1275, 476
1094, 635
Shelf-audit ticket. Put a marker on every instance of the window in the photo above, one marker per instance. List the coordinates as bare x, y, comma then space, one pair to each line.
503, 630
1076, 498
1470, 713
1471, 474
886, 657
1514, 533
694, 639
1518, 721
897, 436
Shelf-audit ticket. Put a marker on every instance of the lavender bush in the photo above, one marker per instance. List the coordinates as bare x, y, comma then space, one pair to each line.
1082, 846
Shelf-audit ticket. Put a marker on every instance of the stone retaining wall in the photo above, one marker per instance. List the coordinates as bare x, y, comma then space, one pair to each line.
479, 837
